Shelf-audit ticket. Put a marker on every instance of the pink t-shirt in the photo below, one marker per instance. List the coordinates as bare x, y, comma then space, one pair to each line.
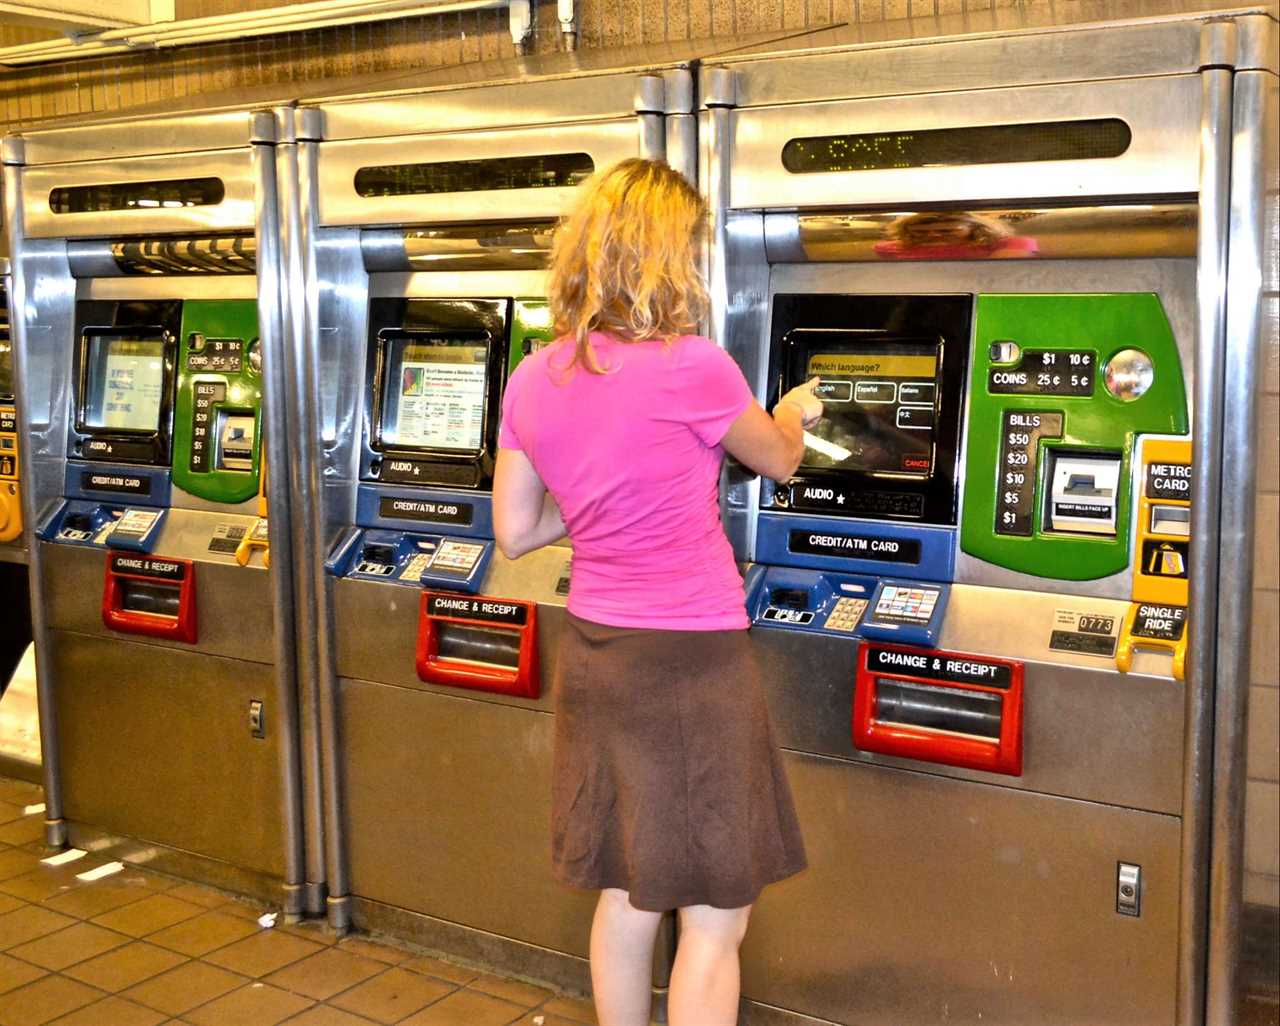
632, 457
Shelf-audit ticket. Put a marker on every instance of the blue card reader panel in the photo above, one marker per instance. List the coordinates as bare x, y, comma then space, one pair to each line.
406, 508
856, 546
846, 605
416, 560
103, 525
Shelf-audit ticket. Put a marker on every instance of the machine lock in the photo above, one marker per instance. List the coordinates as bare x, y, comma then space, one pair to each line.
477, 642
150, 595
943, 707
1128, 889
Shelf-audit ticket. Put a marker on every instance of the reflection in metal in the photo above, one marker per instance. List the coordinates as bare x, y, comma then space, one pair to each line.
1145, 230
186, 256
501, 246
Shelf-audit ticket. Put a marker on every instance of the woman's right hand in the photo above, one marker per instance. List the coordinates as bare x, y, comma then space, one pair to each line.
810, 405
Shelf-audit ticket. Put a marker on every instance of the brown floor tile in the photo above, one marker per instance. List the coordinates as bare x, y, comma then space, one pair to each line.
27, 923
23, 831
43, 1000
203, 934
262, 953
20, 792
244, 909
75, 944
524, 994
198, 894
467, 1008
44, 882
309, 929
372, 949
9, 812
392, 996
16, 861
578, 1009
124, 967
14, 974
326, 973
85, 902
326, 1015
156, 912
180, 990
541, 1018
257, 1003
8, 903
112, 1011
441, 969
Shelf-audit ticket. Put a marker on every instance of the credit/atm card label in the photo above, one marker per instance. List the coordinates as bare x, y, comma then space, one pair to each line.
1020, 436
1169, 481
468, 608
1084, 633
148, 566
955, 669
1065, 372
1163, 623
130, 484
398, 507
855, 546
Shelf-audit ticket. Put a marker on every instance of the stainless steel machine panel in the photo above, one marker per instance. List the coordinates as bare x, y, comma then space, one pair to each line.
1163, 115
235, 210
931, 901
606, 142
182, 767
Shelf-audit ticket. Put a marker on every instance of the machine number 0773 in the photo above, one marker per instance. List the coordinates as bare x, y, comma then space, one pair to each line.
1096, 624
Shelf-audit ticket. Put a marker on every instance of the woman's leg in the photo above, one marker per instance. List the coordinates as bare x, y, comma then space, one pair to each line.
622, 959
706, 977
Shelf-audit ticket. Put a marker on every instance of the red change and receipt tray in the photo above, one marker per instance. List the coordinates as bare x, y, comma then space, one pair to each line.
150, 595
943, 707
479, 642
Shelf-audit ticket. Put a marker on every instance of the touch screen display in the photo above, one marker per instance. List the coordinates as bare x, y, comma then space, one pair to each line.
6, 368
434, 394
880, 405
124, 384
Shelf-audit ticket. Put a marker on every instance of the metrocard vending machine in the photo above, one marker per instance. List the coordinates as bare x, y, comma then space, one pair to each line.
145, 364
436, 653
976, 601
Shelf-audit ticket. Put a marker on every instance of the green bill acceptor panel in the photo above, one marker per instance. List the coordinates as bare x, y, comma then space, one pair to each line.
1060, 388
218, 414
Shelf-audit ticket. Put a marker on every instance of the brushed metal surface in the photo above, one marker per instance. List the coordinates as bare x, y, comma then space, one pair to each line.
124, 135
233, 605
448, 804
1133, 722
1163, 115
212, 287
236, 211
933, 902
155, 744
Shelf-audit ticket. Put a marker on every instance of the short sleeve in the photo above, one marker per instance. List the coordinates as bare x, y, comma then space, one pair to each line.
713, 391
508, 436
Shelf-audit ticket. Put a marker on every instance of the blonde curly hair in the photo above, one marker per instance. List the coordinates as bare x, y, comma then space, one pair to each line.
626, 258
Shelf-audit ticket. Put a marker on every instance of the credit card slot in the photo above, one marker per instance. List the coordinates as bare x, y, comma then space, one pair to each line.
458, 642
1174, 521
976, 713
149, 597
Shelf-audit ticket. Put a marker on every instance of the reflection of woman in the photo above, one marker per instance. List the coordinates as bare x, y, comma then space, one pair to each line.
668, 792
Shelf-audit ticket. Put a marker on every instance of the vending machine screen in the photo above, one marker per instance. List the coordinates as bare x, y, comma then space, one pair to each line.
434, 392
124, 384
879, 402
6, 364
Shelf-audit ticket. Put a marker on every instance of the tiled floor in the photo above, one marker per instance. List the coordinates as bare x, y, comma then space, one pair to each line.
140, 949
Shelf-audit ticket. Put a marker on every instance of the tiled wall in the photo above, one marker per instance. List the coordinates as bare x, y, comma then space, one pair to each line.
1262, 797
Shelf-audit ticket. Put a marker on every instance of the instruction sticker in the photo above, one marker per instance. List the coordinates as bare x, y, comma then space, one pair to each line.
1084, 633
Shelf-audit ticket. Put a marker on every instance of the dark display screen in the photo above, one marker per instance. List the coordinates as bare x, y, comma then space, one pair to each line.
168, 195
434, 392
124, 384
953, 147
548, 171
880, 403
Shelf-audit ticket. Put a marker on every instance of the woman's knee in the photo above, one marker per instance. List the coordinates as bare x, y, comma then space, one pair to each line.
724, 927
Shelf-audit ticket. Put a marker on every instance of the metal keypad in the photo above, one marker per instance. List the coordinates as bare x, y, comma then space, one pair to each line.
845, 614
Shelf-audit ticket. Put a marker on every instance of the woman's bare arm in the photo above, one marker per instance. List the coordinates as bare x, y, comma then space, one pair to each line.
525, 516
774, 446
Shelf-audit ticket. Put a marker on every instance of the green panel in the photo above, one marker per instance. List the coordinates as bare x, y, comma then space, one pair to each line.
1105, 324
531, 323
217, 320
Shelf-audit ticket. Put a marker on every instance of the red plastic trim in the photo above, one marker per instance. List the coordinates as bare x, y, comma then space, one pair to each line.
522, 681
127, 621
1002, 755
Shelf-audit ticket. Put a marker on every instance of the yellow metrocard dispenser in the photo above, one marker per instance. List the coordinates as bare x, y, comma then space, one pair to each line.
10, 498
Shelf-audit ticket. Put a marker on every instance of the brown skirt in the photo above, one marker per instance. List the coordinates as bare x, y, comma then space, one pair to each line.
667, 782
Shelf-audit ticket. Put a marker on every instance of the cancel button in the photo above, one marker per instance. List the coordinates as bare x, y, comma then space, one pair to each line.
855, 546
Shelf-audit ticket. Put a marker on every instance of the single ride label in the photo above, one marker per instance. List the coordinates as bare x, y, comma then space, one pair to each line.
1163, 623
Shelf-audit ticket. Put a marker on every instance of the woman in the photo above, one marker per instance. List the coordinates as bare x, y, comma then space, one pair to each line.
668, 790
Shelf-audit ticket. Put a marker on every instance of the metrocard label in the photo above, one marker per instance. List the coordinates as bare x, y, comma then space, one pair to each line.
465, 607
955, 669
148, 566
